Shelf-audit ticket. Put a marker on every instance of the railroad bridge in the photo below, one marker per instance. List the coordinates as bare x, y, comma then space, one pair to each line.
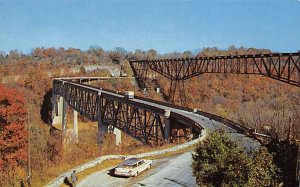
284, 67
153, 122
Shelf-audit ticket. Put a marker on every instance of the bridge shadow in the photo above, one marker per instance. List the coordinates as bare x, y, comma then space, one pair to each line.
46, 108
177, 182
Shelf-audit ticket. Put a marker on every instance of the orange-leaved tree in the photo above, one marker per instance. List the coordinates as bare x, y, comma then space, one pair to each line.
13, 132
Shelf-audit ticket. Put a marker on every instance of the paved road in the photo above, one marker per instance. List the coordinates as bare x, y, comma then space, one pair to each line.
167, 172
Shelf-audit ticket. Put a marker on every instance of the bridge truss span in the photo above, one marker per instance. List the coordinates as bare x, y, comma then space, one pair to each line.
284, 67
144, 122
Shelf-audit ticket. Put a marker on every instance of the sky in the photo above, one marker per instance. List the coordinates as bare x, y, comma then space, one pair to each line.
163, 25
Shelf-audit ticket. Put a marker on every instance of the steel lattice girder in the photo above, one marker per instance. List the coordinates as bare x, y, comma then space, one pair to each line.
141, 121
284, 67
144, 125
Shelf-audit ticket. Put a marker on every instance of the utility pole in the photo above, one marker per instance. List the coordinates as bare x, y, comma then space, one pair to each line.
298, 166
28, 151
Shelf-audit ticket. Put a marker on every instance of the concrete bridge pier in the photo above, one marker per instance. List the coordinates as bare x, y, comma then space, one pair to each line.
102, 130
57, 108
75, 127
64, 115
117, 132
54, 105
59, 116
167, 123
102, 127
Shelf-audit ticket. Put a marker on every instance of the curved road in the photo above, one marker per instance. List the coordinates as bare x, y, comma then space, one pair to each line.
170, 171
167, 172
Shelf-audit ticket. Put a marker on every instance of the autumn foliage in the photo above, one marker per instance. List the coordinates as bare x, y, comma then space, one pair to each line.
13, 134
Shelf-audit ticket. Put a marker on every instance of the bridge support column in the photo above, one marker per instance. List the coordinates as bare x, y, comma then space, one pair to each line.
54, 105
102, 130
64, 115
60, 106
54, 108
57, 108
178, 136
102, 127
117, 132
75, 127
167, 122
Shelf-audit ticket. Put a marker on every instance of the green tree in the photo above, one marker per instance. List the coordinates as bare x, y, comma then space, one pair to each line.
218, 161
285, 156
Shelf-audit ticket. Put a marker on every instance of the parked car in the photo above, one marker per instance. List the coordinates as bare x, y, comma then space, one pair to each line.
132, 167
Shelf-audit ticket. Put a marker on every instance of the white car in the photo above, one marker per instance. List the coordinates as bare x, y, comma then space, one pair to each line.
132, 167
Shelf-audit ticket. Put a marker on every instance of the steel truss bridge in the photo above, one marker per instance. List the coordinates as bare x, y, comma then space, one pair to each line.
145, 122
284, 67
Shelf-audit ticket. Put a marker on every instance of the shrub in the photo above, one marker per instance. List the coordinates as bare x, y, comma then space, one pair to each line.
218, 161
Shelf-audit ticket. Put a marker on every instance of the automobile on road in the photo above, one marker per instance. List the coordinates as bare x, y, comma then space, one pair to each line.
132, 167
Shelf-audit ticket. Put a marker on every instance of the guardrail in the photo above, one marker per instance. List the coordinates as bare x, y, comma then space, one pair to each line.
60, 179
